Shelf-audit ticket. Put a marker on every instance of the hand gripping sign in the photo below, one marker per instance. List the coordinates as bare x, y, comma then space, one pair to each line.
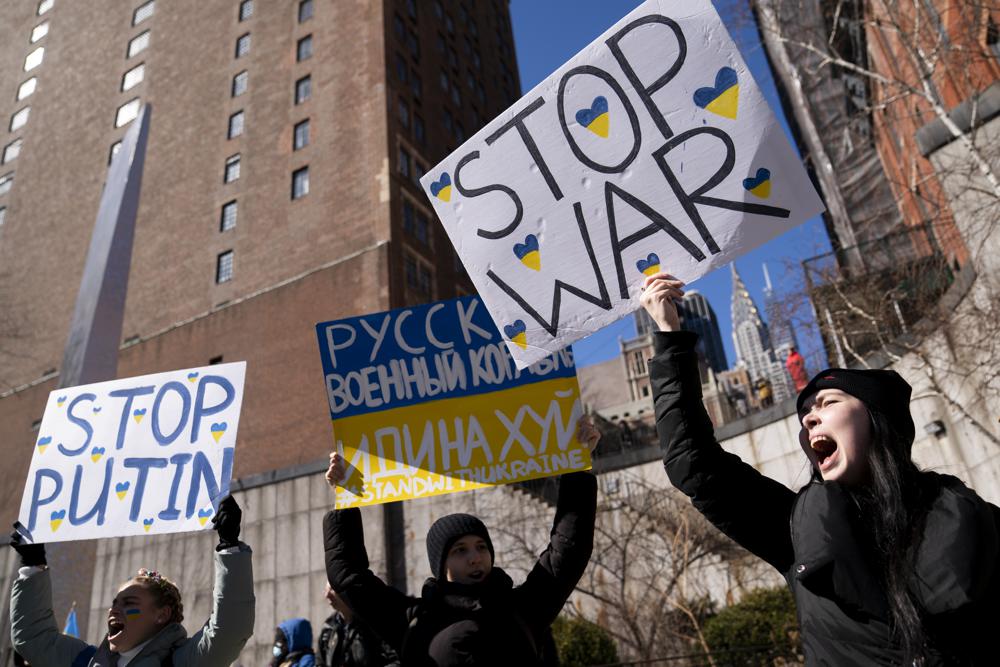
427, 400
144, 455
651, 149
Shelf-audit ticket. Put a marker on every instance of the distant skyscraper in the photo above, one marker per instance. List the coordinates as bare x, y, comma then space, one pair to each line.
753, 341
782, 334
697, 315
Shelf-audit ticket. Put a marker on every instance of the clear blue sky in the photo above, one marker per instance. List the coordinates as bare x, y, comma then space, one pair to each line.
547, 33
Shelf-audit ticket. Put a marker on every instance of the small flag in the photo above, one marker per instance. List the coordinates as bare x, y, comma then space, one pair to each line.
71, 628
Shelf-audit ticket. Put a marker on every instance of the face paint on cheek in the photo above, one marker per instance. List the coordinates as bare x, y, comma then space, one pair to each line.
132, 613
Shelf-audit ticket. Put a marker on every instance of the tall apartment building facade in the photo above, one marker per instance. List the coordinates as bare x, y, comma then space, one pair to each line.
280, 190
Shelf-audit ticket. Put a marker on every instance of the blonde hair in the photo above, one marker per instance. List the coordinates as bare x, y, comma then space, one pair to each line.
165, 592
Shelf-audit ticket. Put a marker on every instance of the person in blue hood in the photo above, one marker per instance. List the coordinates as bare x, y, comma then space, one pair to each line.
293, 644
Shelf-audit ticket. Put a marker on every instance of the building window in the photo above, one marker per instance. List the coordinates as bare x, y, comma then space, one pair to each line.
404, 163
456, 95
415, 223
34, 59
246, 9
304, 49
449, 24
452, 57
11, 151
115, 149
300, 183
303, 89
419, 131
240, 83
438, 9
401, 68
993, 36
39, 31
404, 113
224, 267
305, 10
235, 125
418, 172
142, 12
6, 181
414, 45
301, 135
27, 88
232, 171
443, 80
44, 6
19, 118
227, 220
418, 276
416, 85
138, 43
243, 45
3, 215
411, 8
399, 27
127, 112
133, 77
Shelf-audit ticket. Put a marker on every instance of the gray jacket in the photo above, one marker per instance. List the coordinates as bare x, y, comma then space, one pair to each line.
36, 636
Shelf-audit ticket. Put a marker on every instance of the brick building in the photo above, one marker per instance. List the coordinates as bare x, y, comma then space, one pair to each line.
280, 190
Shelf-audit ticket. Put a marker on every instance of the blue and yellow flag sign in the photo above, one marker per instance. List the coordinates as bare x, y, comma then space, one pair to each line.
427, 400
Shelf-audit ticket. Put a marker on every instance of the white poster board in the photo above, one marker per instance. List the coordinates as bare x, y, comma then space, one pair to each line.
140, 456
652, 149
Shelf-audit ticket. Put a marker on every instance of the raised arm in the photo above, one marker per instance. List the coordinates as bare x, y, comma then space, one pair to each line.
227, 630
379, 606
558, 569
33, 627
752, 509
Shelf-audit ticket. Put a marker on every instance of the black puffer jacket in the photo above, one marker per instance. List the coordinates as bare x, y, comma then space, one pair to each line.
811, 538
493, 623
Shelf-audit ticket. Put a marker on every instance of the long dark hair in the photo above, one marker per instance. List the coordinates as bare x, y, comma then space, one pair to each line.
895, 503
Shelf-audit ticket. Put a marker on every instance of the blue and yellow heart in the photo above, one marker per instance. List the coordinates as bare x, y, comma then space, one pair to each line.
147, 524
722, 99
528, 252
43, 443
96, 453
121, 489
759, 185
56, 519
60, 400
97, 409
204, 514
649, 266
441, 188
596, 118
137, 415
192, 377
516, 333
218, 429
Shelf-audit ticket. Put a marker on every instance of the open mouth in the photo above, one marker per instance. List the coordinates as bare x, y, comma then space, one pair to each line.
826, 451
477, 575
115, 629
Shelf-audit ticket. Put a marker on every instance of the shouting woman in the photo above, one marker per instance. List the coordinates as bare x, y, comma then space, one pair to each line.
889, 565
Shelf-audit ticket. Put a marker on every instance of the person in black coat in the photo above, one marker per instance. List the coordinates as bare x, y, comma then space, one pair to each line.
889, 565
469, 612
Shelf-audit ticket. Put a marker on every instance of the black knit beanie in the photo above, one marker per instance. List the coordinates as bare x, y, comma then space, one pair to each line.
885, 391
446, 531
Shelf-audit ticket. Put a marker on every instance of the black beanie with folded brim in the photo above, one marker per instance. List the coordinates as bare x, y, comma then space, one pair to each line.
446, 531
885, 391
